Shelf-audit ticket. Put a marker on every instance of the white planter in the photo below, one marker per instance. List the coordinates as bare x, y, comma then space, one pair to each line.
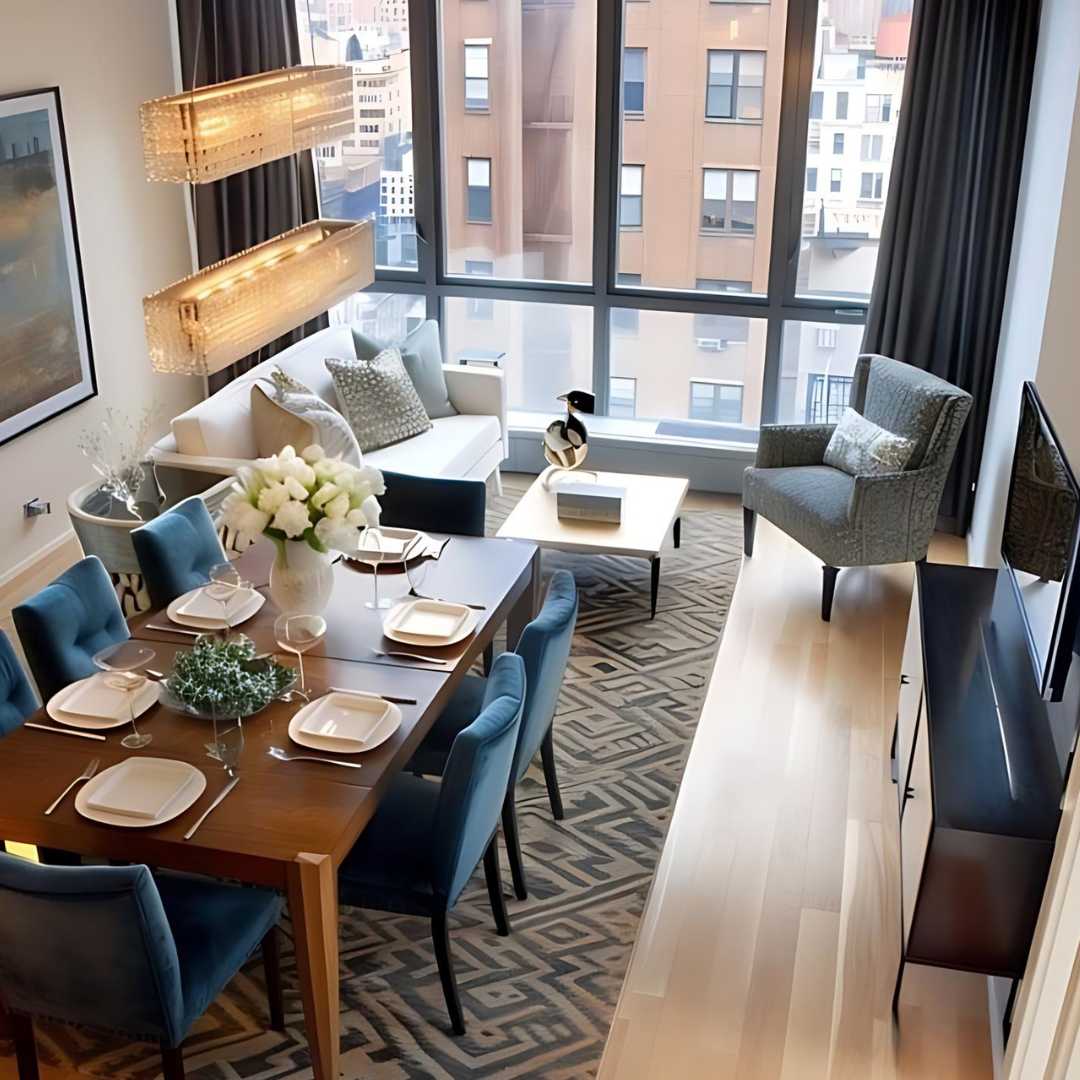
301, 578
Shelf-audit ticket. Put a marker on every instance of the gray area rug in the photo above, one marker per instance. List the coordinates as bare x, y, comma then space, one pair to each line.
539, 1003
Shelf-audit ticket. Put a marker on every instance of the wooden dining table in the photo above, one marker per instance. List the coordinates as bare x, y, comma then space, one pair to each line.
287, 825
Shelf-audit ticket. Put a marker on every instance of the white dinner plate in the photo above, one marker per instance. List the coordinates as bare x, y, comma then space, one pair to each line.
188, 610
368, 719
395, 542
91, 705
140, 792
429, 622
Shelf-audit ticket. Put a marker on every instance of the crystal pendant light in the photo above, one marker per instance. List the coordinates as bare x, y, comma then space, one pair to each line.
210, 319
215, 131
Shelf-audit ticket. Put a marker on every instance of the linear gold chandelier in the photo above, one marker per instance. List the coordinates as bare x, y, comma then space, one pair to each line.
212, 318
215, 131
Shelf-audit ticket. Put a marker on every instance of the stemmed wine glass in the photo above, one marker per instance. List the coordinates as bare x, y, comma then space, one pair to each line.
123, 659
228, 743
297, 634
225, 583
416, 571
372, 555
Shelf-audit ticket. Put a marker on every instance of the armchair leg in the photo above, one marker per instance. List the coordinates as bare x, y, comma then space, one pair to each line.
440, 936
494, 887
275, 998
172, 1062
22, 1031
547, 755
489, 657
749, 524
513, 845
828, 588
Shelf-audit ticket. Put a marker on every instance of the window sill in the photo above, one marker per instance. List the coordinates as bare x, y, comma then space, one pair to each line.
733, 119
728, 232
484, 110
474, 221
630, 228
633, 115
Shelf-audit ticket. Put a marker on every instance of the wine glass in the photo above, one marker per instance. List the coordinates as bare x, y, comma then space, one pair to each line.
297, 634
228, 744
123, 659
372, 554
417, 571
225, 583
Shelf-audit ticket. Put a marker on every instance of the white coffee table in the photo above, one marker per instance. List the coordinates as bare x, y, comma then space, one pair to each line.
651, 506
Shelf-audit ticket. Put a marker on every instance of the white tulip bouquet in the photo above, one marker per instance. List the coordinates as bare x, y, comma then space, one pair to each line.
307, 497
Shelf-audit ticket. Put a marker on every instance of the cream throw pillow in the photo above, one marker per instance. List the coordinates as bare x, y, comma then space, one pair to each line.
861, 448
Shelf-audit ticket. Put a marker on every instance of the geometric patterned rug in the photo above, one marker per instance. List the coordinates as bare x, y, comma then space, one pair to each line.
538, 1003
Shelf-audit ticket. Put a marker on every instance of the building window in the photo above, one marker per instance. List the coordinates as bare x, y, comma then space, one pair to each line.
630, 194
622, 392
860, 69
838, 143
479, 267
817, 104
872, 146
633, 82
836, 178
826, 397
735, 88
871, 185
878, 108
729, 201
811, 179
716, 401
723, 285
841, 104
624, 321
476, 76
627, 279
478, 183
826, 337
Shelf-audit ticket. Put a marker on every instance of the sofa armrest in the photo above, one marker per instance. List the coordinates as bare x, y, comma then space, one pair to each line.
164, 455
479, 391
895, 513
785, 445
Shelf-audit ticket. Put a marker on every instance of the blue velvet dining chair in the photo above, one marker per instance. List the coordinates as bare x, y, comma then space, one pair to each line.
66, 623
17, 699
434, 503
120, 948
177, 550
427, 837
545, 647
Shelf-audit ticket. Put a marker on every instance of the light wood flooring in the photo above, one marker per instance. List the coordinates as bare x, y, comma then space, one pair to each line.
768, 947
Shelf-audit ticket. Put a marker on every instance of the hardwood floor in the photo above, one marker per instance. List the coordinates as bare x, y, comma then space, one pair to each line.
768, 946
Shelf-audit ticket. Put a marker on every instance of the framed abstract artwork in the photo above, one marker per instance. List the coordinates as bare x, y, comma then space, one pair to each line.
46, 362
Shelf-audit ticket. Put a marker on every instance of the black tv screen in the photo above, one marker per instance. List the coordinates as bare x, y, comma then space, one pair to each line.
1039, 544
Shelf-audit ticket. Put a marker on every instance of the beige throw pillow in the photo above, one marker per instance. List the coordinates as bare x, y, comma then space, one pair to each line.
860, 448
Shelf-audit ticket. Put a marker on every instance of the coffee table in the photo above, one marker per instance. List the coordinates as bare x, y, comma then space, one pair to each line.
651, 506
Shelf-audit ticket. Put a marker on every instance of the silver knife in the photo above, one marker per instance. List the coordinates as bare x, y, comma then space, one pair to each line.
374, 694
65, 731
212, 807
175, 630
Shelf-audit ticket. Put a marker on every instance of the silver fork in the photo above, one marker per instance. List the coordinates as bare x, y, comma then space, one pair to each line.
412, 656
441, 600
280, 755
86, 774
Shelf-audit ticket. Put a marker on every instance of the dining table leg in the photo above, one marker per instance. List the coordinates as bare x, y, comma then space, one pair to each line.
312, 895
526, 606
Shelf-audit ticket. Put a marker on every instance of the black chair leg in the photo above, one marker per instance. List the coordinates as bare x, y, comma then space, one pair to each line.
275, 997
22, 1031
828, 588
547, 755
440, 936
749, 524
513, 846
172, 1062
494, 887
489, 657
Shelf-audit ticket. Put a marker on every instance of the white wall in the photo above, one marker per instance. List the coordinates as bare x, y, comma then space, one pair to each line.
1041, 327
106, 57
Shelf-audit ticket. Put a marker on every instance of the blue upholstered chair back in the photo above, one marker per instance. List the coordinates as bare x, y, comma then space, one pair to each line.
89, 945
475, 779
435, 503
17, 700
545, 647
64, 625
177, 550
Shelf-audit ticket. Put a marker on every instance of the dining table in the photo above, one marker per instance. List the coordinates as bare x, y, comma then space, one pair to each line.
286, 825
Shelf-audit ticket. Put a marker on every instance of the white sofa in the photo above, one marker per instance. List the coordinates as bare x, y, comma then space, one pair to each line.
213, 438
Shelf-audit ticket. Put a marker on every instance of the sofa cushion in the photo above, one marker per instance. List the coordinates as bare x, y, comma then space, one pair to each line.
860, 447
421, 353
453, 446
293, 416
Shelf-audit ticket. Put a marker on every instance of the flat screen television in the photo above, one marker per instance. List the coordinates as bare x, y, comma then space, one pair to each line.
1039, 544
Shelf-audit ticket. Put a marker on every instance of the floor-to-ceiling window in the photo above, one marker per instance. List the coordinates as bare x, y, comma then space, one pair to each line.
674, 203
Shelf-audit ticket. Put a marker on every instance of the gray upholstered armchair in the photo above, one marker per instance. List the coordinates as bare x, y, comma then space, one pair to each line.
860, 520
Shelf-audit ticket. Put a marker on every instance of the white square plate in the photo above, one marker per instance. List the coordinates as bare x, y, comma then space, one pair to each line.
142, 787
433, 619
205, 603
182, 609
102, 697
349, 717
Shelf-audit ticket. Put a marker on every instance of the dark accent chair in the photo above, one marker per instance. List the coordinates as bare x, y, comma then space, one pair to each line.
545, 648
66, 623
426, 838
860, 520
17, 699
119, 948
177, 550
434, 502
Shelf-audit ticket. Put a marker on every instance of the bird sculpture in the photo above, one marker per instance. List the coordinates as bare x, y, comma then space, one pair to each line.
566, 442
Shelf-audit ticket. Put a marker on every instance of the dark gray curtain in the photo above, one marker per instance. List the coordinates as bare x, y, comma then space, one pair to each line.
245, 37
945, 243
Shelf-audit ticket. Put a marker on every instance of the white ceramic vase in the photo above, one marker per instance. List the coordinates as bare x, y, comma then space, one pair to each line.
301, 579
